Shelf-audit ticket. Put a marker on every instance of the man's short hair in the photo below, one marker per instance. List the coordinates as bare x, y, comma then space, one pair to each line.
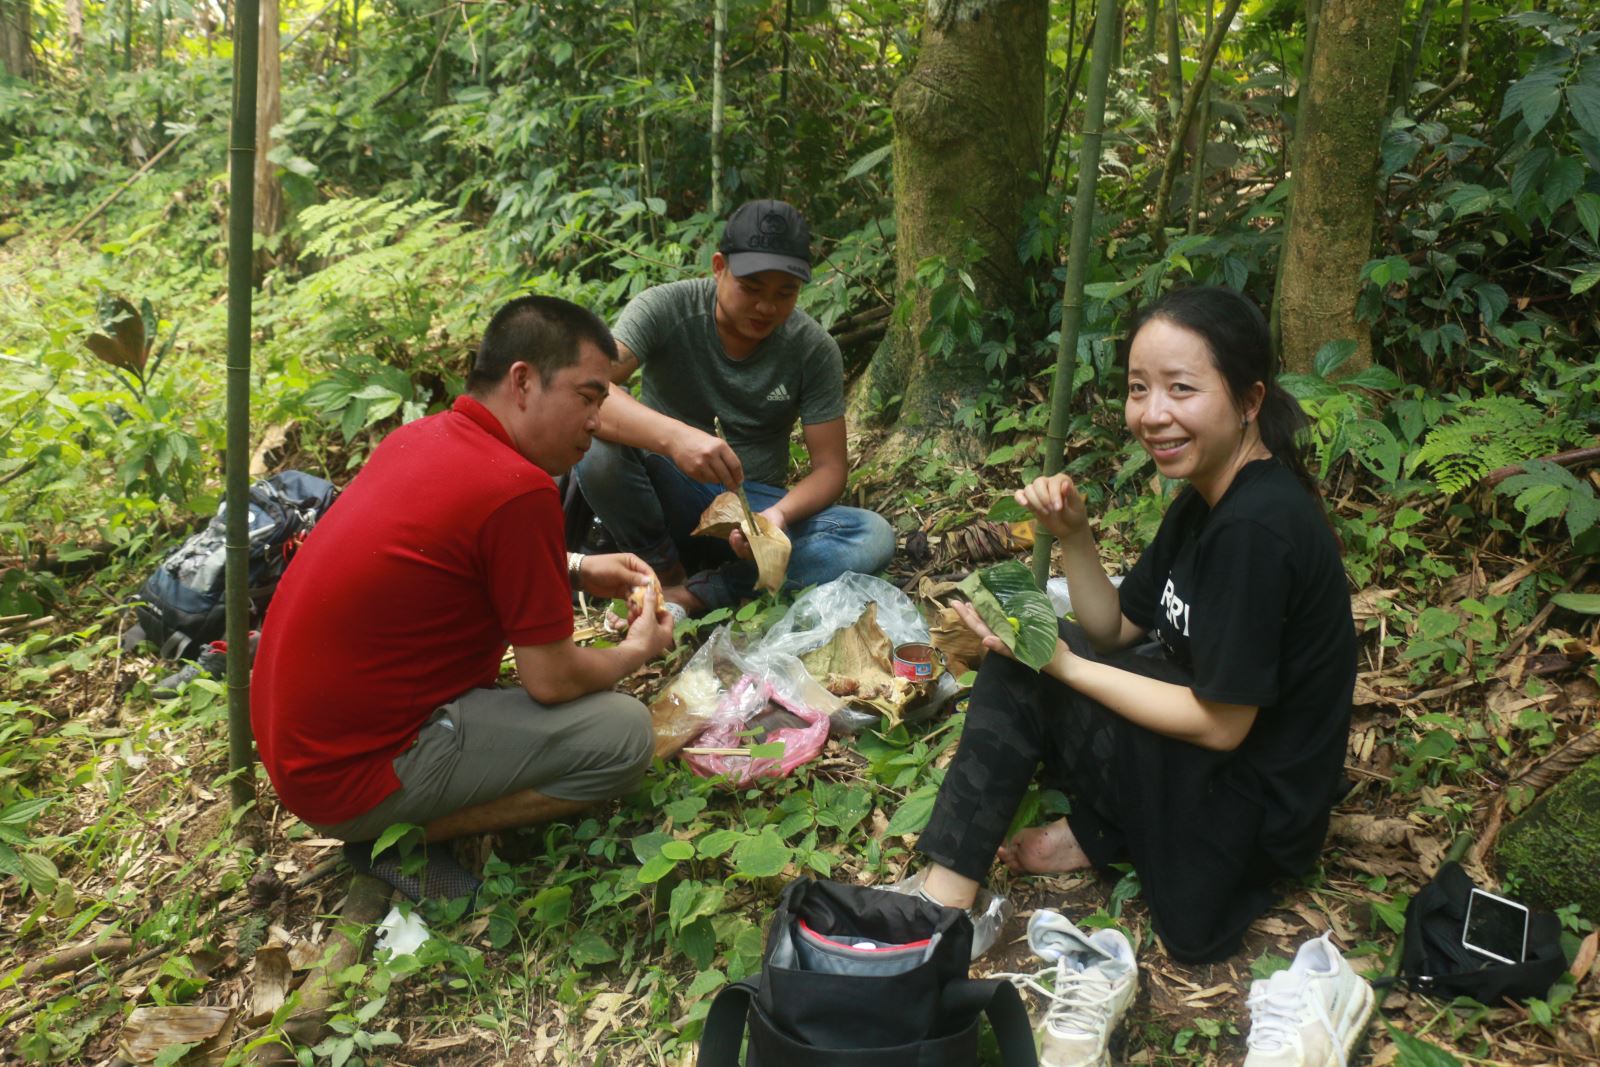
545, 332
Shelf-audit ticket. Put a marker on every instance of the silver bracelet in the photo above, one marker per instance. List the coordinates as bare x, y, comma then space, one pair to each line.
574, 568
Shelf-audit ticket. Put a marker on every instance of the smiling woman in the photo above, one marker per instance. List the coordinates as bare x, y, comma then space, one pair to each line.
1211, 757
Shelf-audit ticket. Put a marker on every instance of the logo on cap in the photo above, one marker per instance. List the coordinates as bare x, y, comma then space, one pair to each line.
774, 224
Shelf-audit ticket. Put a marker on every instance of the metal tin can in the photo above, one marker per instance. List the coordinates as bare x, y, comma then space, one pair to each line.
915, 661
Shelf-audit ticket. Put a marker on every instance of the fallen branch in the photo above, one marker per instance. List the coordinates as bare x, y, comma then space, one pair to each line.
1573, 458
1515, 644
70, 959
13, 631
124, 187
364, 906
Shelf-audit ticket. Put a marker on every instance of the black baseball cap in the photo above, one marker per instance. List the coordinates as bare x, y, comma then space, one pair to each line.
767, 235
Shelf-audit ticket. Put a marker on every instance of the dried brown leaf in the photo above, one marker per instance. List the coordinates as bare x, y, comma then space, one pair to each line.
271, 976
962, 649
1560, 763
1583, 960
1370, 830
768, 544
148, 1031
125, 345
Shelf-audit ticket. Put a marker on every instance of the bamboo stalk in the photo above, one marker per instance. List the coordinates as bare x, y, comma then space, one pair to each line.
241, 264
1094, 117
1191, 98
719, 38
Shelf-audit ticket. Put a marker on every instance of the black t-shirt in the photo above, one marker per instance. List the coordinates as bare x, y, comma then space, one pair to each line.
1251, 597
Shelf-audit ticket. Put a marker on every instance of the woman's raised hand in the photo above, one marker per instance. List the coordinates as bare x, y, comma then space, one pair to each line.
1056, 504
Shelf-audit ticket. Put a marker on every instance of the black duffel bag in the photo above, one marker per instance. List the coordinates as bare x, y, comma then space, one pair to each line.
1433, 960
853, 975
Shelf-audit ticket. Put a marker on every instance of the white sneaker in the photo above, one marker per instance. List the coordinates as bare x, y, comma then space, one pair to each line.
1088, 989
1311, 1014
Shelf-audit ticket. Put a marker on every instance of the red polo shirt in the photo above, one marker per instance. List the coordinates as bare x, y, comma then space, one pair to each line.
447, 547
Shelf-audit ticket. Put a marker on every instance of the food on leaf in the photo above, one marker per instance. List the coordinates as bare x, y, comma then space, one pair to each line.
769, 544
1021, 616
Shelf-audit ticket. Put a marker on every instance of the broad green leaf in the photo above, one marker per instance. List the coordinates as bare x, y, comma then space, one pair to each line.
761, 856
1435, 623
391, 835
589, 948
1584, 282
988, 608
1027, 612
1584, 603
1587, 205
38, 872
1584, 100
868, 161
552, 904
913, 813
647, 847
1415, 1052
698, 941
677, 850
691, 900
1108, 291
1333, 355
1006, 509
656, 868
1563, 181
1537, 96
717, 842
708, 981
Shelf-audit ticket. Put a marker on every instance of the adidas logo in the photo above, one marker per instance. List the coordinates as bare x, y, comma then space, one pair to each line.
779, 394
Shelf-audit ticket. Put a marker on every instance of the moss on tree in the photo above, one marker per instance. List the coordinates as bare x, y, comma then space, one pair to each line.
1554, 847
1342, 116
968, 147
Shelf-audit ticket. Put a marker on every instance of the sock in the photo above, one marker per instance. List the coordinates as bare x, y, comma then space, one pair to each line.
441, 879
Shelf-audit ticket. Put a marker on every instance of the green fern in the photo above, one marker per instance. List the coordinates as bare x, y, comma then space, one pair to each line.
1546, 491
1486, 433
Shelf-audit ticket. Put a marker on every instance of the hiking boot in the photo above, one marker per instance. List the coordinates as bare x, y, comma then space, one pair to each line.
211, 662
1311, 1014
988, 913
1087, 990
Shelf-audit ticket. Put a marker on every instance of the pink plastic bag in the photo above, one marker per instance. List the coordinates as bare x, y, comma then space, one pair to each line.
803, 731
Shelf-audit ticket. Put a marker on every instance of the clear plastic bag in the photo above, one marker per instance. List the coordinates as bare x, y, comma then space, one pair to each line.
814, 618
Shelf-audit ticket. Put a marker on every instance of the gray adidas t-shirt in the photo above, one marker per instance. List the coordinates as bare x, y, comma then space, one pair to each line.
796, 372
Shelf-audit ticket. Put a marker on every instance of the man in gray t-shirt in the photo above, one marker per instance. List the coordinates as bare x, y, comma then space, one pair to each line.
734, 349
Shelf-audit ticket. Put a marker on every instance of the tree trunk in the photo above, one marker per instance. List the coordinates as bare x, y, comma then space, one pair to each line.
16, 38
968, 144
268, 190
75, 30
1340, 126
719, 37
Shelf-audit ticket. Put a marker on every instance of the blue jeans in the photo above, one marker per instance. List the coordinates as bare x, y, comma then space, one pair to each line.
650, 507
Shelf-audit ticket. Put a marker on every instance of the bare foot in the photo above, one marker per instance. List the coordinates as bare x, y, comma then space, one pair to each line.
1045, 850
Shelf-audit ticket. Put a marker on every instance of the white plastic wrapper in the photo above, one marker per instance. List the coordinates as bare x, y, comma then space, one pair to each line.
401, 933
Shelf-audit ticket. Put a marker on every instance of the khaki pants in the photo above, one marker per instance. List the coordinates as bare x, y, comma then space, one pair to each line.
491, 743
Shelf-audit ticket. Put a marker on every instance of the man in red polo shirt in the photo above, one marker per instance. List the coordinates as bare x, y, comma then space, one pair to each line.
375, 699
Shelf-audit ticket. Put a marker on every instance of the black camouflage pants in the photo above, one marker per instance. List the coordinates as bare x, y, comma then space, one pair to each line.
1173, 809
